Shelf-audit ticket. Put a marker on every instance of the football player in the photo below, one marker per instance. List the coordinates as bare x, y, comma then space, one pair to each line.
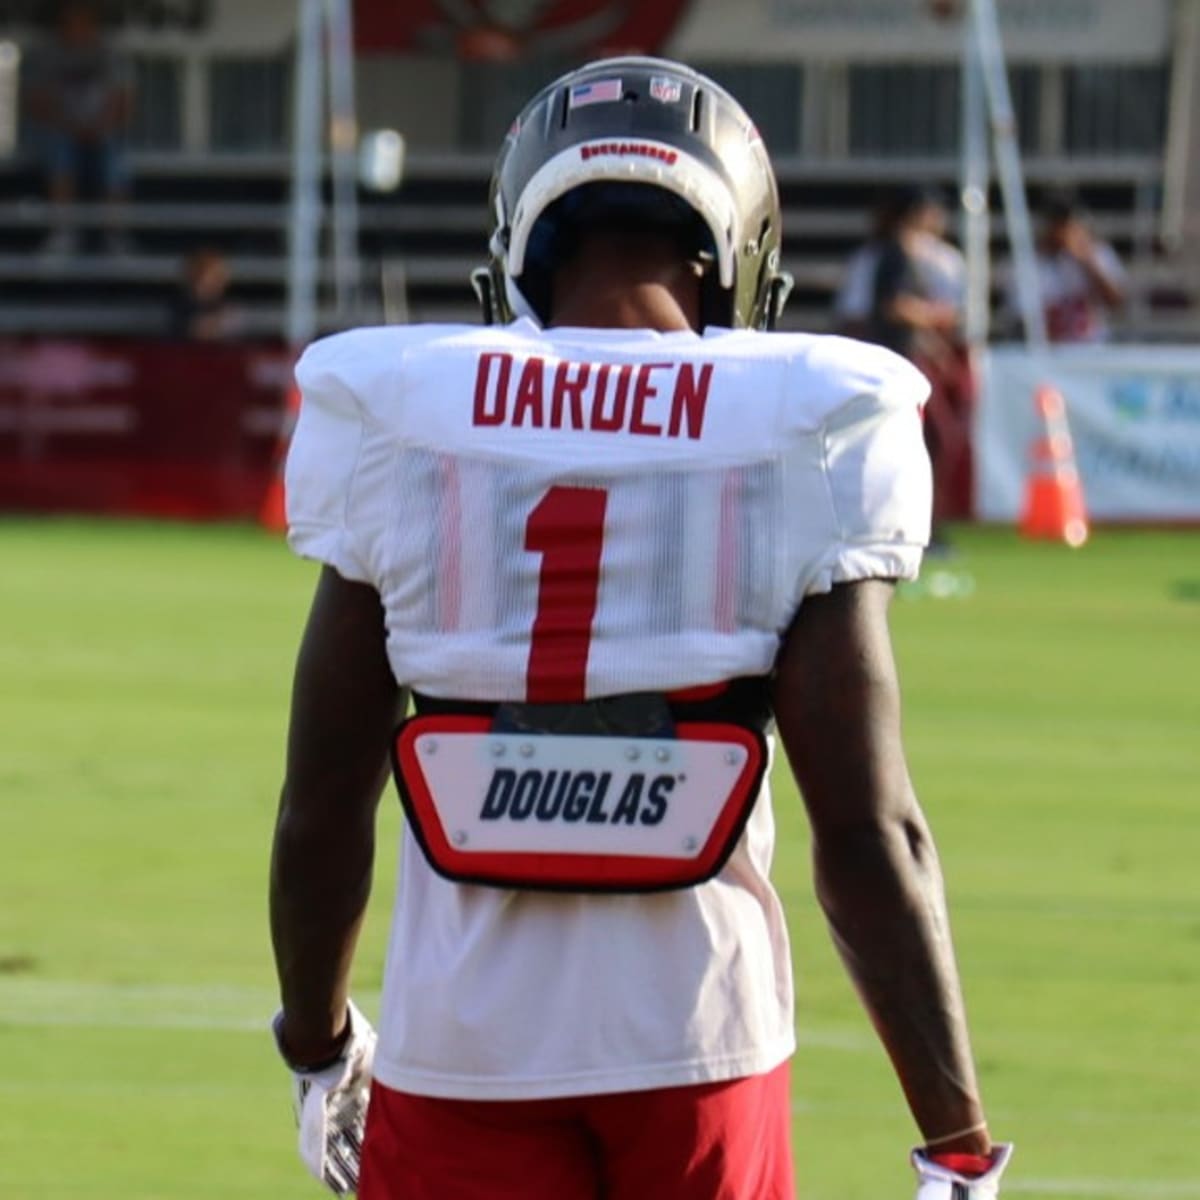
604, 546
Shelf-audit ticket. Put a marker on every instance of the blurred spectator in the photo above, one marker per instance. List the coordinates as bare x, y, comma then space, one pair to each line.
856, 295
940, 264
918, 287
918, 295
201, 309
80, 101
1082, 279
940, 272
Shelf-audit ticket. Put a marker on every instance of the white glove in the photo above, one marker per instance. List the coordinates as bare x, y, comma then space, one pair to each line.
331, 1106
936, 1182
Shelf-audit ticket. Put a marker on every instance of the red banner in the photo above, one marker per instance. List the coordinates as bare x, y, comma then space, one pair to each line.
506, 29
161, 429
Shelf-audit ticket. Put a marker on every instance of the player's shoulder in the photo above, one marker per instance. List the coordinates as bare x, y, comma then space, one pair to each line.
357, 358
845, 368
825, 373
354, 353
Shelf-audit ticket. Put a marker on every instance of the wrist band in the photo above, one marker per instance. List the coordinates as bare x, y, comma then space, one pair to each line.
970, 1165
978, 1127
308, 1068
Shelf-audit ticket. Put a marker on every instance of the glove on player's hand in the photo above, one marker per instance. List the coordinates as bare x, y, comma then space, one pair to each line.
331, 1106
938, 1182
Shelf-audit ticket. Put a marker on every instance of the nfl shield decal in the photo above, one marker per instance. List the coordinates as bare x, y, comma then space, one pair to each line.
666, 91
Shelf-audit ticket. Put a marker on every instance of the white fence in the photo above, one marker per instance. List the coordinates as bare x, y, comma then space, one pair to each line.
1135, 418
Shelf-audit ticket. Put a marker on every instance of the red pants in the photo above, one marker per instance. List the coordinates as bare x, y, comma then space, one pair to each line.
948, 417
720, 1141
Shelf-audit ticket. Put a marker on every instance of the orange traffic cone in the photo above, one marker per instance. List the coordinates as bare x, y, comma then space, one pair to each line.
272, 513
1054, 506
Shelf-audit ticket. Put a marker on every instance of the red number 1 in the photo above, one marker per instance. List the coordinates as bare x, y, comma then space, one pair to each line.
567, 529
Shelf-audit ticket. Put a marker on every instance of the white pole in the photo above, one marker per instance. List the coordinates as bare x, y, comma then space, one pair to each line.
343, 140
10, 68
1180, 155
304, 243
1008, 162
975, 181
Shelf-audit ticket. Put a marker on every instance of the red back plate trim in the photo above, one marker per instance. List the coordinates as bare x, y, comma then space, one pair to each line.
573, 872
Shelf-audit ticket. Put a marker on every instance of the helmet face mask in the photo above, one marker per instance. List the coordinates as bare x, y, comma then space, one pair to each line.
645, 144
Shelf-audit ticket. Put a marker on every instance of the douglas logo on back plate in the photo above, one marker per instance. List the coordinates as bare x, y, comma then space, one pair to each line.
577, 796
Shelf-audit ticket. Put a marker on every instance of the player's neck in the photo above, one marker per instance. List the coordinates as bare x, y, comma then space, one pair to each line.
622, 280
622, 305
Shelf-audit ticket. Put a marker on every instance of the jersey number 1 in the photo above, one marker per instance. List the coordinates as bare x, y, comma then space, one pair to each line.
567, 529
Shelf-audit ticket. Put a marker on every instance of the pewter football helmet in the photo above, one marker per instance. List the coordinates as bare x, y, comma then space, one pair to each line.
645, 143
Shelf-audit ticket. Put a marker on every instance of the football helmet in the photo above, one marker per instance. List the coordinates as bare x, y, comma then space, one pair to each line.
642, 143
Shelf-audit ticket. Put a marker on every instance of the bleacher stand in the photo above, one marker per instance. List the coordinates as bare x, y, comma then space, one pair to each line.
238, 204
79, 98
227, 188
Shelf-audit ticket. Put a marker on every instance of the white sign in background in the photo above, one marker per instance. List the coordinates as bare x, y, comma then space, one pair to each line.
894, 30
1134, 413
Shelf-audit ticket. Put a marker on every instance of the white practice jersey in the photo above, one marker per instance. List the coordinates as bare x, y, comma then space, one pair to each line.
572, 513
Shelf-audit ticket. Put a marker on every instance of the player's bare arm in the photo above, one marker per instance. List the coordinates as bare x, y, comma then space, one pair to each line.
345, 705
837, 704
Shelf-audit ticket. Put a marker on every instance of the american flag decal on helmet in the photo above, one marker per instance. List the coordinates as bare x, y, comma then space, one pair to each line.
603, 91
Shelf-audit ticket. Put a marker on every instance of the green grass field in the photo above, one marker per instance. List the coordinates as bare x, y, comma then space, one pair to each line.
1053, 725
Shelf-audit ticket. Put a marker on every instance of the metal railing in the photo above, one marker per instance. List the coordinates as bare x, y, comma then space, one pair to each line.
397, 221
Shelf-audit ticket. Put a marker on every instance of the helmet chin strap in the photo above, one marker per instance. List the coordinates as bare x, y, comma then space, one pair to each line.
484, 288
778, 291
484, 285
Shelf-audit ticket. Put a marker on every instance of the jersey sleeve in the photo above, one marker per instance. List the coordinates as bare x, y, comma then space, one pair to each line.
877, 472
323, 461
